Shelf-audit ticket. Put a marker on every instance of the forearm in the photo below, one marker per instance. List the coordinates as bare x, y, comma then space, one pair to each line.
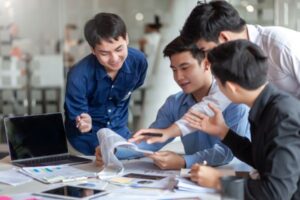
124, 153
241, 147
216, 156
173, 131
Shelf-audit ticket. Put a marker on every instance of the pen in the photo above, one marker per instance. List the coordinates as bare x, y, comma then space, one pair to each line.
204, 163
74, 179
153, 134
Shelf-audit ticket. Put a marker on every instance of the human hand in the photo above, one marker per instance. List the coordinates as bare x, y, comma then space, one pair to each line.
214, 125
167, 160
99, 161
84, 122
206, 176
165, 134
139, 137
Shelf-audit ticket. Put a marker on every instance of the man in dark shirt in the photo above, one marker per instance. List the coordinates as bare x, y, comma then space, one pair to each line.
241, 69
100, 85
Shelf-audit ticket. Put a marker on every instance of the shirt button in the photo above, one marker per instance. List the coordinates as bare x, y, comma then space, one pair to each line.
108, 123
110, 98
112, 86
109, 110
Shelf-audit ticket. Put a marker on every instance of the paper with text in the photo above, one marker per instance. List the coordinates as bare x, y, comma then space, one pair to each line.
13, 177
54, 174
109, 141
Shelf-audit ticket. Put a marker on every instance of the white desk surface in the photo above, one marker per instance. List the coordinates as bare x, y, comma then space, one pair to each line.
35, 186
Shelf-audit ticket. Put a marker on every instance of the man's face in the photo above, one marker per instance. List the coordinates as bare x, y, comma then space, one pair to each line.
205, 45
112, 54
188, 73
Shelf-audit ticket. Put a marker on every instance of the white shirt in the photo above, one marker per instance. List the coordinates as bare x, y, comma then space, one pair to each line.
282, 46
216, 97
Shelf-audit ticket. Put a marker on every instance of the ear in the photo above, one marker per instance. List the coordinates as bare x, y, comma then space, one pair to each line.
93, 51
206, 64
233, 87
224, 36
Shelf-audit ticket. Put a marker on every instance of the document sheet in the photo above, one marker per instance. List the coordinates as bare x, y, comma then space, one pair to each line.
109, 141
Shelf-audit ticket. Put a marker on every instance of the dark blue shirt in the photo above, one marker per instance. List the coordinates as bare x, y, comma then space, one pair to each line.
90, 90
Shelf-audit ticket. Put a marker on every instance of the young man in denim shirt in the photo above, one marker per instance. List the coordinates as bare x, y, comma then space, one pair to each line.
100, 85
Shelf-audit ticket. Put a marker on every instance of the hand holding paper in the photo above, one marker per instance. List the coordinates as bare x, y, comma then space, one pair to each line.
109, 141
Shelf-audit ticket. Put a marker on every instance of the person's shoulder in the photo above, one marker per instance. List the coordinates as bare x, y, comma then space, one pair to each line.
278, 35
84, 66
177, 98
284, 102
234, 108
135, 54
84, 62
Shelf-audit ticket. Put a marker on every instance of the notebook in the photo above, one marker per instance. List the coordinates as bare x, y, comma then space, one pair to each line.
39, 140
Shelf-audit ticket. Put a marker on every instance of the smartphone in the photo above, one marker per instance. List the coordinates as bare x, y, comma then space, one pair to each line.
144, 176
72, 192
153, 134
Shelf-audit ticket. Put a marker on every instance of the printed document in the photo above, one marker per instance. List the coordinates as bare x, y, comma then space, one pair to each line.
13, 177
109, 141
54, 174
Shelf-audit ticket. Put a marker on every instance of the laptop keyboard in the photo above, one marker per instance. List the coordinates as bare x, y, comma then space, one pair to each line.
66, 159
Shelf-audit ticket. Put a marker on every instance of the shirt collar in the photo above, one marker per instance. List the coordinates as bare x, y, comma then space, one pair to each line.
101, 72
125, 67
252, 33
260, 103
189, 99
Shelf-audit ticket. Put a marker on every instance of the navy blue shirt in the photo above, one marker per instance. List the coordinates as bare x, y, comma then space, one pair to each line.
90, 90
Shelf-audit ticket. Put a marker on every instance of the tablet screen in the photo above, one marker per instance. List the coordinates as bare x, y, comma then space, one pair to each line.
72, 191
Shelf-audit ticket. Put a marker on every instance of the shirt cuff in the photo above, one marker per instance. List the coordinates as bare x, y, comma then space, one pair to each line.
229, 137
190, 160
184, 128
125, 153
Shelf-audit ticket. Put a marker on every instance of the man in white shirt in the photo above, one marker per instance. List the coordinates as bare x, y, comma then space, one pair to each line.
214, 23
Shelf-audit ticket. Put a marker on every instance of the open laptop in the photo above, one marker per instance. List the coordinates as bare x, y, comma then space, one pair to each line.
38, 140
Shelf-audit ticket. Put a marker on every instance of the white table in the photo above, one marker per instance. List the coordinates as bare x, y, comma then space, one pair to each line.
35, 186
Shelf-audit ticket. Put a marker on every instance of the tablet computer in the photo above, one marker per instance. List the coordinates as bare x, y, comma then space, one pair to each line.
72, 192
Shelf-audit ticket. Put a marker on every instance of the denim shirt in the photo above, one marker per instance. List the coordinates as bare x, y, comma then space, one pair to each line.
90, 90
198, 145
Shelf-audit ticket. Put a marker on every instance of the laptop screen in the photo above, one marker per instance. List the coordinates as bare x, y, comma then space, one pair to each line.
35, 136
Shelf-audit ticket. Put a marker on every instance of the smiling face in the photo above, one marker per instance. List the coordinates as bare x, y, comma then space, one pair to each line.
189, 74
111, 54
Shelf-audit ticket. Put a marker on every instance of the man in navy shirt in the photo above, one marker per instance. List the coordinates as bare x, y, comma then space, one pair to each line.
100, 85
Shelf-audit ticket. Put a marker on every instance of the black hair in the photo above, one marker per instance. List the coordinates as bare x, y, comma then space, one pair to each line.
179, 45
104, 26
241, 62
207, 20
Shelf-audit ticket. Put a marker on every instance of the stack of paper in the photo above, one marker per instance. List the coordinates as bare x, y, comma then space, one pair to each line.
54, 174
187, 185
145, 181
13, 177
